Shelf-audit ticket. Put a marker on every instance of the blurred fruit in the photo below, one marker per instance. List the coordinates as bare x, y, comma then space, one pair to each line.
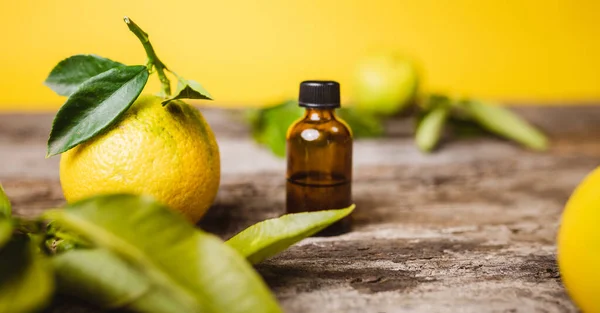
579, 244
385, 84
167, 152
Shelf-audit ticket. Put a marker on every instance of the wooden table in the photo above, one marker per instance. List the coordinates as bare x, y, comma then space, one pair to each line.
470, 228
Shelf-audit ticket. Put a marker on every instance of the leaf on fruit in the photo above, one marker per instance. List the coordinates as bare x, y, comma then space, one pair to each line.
267, 238
26, 281
97, 104
70, 73
189, 89
196, 270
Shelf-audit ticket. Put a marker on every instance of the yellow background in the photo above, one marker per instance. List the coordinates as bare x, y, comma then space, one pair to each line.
254, 52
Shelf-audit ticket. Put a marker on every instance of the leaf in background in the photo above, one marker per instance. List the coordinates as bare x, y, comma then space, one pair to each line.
464, 128
189, 89
116, 285
505, 123
430, 127
67, 75
269, 237
96, 105
195, 268
273, 123
26, 282
363, 125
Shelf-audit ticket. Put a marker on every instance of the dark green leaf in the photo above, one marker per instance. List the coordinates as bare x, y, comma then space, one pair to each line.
267, 238
505, 123
6, 230
363, 125
67, 75
196, 269
96, 105
462, 128
189, 89
26, 282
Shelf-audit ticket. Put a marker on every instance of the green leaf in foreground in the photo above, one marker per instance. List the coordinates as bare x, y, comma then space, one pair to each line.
195, 269
267, 238
6, 227
26, 282
100, 277
5, 207
189, 89
95, 106
71, 72
505, 123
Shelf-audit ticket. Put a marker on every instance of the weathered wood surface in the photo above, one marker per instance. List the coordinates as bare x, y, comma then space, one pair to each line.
470, 228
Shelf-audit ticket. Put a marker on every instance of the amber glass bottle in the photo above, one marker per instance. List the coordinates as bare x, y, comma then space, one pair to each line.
319, 155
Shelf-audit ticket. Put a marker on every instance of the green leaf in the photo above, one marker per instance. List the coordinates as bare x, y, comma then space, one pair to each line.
71, 72
196, 269
505, 123
100, 277
268, 238
5, 207
270, 125
462, 128
430, 127
96, 105
6, 230
189, 89
58, 240
363, 125
6, 227
26, 282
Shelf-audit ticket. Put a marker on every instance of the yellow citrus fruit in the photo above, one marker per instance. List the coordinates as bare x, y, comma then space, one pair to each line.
167, 152
579, 244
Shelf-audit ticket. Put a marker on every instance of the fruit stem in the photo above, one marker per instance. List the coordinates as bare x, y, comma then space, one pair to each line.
153, 59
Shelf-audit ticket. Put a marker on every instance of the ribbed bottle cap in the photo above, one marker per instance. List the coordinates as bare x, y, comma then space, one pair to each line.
319, 94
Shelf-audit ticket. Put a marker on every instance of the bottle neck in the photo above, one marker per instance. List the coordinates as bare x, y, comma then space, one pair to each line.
314, 114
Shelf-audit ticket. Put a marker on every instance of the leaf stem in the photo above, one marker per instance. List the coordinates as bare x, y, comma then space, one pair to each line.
153, 60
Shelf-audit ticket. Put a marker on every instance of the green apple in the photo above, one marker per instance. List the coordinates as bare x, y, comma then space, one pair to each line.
385, 84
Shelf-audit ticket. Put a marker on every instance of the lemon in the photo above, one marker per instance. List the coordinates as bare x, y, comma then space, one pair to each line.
169, 153
579, 244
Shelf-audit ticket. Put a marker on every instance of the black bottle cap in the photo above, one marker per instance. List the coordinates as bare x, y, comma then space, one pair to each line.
319, 94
